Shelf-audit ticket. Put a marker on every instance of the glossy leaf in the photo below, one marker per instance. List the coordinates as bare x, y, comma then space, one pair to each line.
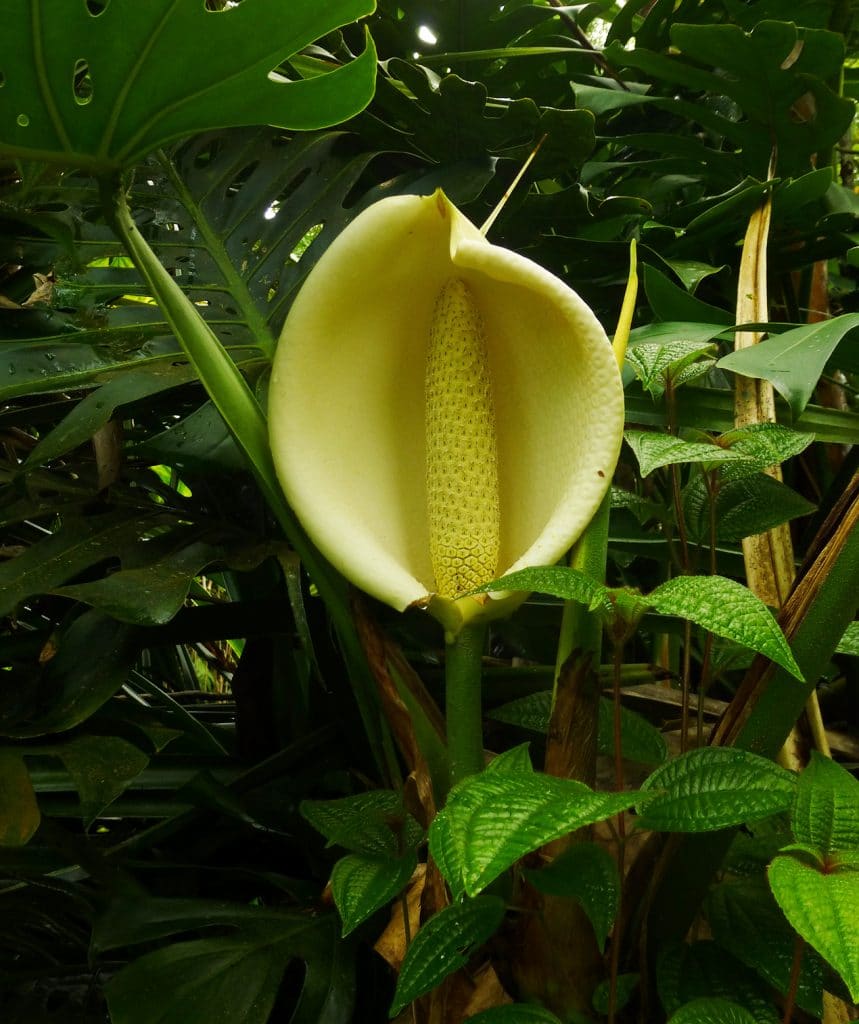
493, 819
361, 885
793, 361
587, 874
728, 609
372, 823
640, 740
80, 89
444, 944
822, 908
655, 450
713, 788
826, 810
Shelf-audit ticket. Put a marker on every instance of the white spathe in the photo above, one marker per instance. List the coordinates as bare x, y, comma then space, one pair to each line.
347, 402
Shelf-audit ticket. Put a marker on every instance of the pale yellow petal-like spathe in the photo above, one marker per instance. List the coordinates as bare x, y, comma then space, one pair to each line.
347, 400
347, 394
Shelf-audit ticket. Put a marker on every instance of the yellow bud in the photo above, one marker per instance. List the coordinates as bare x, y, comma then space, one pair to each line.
461, 450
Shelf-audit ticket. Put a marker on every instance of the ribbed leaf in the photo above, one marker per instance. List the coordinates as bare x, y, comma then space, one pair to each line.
373, 823
824, 909
588, 874
361, 884
655, 450
493, 819
19, 811
444, 944
826, 810
516, 1013
727, 609
715, 787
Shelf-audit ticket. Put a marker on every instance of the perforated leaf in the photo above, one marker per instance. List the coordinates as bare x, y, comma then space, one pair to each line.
824, 909
727, 609
493, 819
100, 90
715, 787
444, 944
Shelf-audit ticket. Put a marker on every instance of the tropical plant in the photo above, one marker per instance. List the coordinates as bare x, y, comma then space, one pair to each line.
233, 786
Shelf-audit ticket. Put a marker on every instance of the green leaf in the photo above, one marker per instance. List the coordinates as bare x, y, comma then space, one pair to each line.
101, 767
849, 643
101, 91
152, 594
444, 944
361, 884
19, 811
729, 610
822, 908
705, 970
747, 921
79, 544
232, 977
654, 450
640, 740
712, 1011
793, 361
371, 823
657, 363
517, 759
516, 1013
588, 874
493, 819
713, 788
626, 985
765, 445
670, 302
826, 809
556, 580
87, 662
746, 505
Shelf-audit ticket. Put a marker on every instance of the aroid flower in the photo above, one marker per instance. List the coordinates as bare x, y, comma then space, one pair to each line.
443, 411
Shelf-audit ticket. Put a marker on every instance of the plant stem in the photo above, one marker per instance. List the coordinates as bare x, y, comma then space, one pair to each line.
790, 998
617, 663
463, 711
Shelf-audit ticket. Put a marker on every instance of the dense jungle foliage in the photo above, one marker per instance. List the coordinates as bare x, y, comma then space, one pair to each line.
226, 792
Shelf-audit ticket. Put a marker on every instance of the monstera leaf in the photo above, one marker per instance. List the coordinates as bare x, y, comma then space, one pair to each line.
101, 84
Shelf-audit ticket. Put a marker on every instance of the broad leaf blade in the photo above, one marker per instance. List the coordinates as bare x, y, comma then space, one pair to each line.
444, 944
158, 71
713, 788
826, 809
712, 1011
361, 884
19, 811
493, 819
823, 909
727, 609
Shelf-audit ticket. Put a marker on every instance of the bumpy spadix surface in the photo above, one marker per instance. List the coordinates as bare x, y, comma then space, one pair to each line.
461, 449
365, 416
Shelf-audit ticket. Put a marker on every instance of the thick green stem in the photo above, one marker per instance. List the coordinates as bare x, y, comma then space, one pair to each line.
463, 709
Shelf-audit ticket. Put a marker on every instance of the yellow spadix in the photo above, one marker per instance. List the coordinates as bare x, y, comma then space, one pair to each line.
443, 411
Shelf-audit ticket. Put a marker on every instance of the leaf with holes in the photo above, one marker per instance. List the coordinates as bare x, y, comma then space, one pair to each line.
493, 819
822, 907
99, 85
727, 609
361, 884
715, 787
444, 944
